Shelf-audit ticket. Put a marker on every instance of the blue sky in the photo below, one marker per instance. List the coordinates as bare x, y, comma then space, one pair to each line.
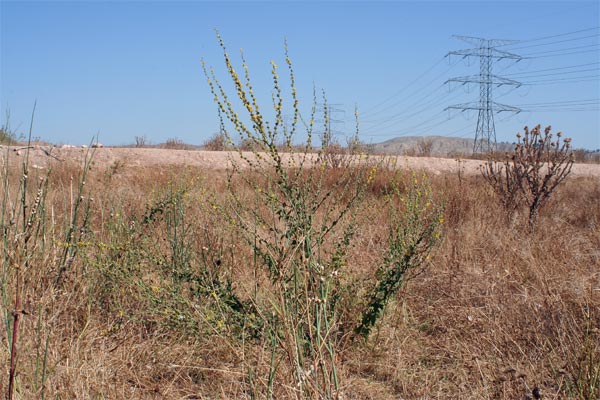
126, 69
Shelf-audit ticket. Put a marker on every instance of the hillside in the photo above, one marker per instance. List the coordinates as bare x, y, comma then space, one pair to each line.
438, 145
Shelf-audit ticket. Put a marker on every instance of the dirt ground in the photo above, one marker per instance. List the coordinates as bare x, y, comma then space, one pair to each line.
43, 156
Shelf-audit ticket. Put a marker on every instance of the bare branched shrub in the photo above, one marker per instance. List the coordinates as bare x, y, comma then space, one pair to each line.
175, 144
141, 141
217, 142
529, 174
424, 147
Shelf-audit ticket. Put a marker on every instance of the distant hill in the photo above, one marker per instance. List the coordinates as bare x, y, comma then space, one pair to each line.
431, 145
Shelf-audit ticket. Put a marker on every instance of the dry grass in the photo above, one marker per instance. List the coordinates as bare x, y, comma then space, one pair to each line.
498, 311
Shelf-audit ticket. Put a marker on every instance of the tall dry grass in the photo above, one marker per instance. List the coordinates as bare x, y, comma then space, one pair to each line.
141, 312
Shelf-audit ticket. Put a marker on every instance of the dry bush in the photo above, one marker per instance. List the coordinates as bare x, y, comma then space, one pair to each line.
586, 156
529, 175
424, 147
175, 144
141, 141
7, 137
217, 142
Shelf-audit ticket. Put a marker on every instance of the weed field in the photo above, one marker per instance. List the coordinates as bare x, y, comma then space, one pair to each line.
370, 281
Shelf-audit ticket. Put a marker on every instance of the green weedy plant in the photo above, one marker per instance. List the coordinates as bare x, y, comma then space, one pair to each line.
413, 229
293, 227
529, 175
298, 223
172, 261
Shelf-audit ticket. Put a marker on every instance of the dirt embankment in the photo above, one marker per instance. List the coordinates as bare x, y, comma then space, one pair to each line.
42, 156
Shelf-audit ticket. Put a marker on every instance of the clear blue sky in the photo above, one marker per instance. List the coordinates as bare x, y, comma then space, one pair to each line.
127, 69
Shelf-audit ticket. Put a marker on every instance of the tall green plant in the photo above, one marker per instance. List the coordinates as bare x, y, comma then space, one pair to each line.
299, 223
414, 223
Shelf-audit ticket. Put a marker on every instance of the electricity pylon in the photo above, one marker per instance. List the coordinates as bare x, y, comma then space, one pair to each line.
329, 111
485, 134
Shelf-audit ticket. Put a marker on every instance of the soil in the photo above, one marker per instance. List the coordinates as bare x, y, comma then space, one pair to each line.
42, 156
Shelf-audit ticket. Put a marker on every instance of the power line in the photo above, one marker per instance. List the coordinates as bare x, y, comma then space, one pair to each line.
429, 94
419, 126
414, 93
405, 87
425, 106
572, 79
488, 51
559, 73
565, 49
561, 102
415, 130
554, 69
555, 42
566, 54
553, 36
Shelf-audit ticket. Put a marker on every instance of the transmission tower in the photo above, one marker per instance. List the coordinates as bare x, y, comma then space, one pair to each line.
485, 134
330, 111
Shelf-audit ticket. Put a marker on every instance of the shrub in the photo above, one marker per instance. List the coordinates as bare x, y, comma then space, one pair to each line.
217, 142
529, 174
141, 141
413, 229
7, 135
298, 222
175, 144
425, 146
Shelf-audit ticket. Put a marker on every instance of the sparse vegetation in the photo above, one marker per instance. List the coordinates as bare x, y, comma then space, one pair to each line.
425, 146
162, 271
289, 276
141, 141
217, 142
7, 136
298, 224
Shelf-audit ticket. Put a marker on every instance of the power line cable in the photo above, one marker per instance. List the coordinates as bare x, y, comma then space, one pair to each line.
563, 109
415, 132
560, 102
565, 49
554, 69
405, 87
572, 79
566, 54
555, 42
426, 123
559, 73
415, 92
551, 36
433, 118
417, 103
424, 107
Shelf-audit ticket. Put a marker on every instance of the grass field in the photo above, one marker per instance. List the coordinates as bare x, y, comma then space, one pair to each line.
152, 282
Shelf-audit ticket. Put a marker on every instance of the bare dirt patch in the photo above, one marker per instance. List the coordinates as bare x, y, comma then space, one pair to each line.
42, 156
